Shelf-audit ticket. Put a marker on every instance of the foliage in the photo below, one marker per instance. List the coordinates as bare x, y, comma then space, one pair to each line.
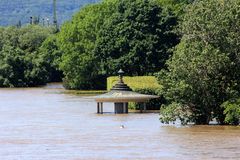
20, 65
76, 50
204, 70
176, 111
50, 53
101, 38
136, 38
77, 39
232, 111
177, 6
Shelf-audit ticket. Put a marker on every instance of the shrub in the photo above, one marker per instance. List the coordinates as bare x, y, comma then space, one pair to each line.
176, 111
232, 111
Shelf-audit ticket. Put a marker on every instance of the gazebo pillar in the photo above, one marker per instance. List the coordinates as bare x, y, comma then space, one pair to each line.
121, 108
100, 107
143, 107
125, 107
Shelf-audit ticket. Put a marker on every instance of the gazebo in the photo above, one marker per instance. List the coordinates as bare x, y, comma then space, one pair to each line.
120, 95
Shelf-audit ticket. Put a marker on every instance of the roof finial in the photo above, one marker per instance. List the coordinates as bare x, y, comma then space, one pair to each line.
120, 86
121, 72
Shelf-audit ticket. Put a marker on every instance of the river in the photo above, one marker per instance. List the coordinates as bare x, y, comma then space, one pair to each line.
44, 124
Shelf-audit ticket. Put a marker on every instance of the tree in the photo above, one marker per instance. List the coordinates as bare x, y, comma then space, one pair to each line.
137, 38
50, 54
20, 64
204, 70
77, 40
177, 6
30, 37
195, 79
133, 35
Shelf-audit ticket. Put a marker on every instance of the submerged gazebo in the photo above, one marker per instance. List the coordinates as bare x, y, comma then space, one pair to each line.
120, 95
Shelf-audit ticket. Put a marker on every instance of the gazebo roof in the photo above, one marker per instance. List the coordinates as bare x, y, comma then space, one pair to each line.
123, 96
123, 93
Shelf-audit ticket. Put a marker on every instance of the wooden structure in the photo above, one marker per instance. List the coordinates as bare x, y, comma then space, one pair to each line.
120, 95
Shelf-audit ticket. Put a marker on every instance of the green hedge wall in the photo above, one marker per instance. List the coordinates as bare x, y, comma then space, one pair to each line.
140, 84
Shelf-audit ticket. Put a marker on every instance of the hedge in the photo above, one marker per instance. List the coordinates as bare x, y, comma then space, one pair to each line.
140, 84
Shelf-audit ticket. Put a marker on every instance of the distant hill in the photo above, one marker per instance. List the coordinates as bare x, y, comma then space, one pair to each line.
13, 11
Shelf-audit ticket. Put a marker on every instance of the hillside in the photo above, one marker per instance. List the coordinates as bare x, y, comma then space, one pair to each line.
13, 11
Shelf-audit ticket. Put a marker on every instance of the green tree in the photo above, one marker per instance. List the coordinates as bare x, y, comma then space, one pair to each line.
77, 40
31, 37
50, 54
137, 38
101, 38
177, 6
20, 64
204, 70
232, 111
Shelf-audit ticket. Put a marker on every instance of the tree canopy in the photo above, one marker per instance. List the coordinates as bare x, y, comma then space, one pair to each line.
204, 70
77, 40
136, 38
20, 65
100, 39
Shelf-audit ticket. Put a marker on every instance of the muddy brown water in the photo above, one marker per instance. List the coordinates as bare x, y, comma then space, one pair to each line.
42, 124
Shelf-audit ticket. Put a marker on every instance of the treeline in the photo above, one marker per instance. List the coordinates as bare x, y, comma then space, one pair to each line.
137, 36
23, 60
192, 47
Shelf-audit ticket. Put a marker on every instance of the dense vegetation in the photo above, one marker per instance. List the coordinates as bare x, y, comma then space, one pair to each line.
77, 41
133, 35
136, 38
205, 68
191, 46
20, 63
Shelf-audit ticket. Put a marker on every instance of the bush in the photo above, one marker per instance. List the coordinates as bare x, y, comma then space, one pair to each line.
176, 111
143, 85
232, 111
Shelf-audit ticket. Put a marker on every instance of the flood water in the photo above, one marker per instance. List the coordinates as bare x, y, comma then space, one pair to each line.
44, 124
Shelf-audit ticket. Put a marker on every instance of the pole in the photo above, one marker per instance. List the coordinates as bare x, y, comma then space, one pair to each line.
55, 15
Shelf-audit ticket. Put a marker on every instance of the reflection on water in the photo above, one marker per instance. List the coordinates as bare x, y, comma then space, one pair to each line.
40, 124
